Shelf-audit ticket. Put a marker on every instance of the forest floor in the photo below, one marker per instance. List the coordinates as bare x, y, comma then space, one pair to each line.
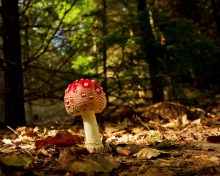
171, 142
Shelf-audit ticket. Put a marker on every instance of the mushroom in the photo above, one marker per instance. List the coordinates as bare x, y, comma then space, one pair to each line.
85, 97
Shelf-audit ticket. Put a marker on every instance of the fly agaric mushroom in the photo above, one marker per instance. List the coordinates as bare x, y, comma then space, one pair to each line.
85, 97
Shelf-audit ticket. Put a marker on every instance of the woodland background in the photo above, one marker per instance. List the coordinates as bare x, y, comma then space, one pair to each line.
141, 52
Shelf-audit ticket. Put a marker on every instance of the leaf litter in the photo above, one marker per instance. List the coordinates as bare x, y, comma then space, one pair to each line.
188, 145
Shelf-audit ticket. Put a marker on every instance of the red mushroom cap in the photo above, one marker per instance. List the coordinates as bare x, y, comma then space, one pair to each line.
84, 95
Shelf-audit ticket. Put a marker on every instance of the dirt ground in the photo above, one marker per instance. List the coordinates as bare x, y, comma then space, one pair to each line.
165, 139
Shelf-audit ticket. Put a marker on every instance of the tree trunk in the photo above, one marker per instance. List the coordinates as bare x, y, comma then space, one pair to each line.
14, 96
26, 76
2, 111
216, 13
104, 52
148, 48
188, 9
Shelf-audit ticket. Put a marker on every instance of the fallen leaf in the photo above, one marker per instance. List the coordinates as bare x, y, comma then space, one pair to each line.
153, 136
15, 160
214, 159
63, 139
107, 162
120, 150
196, 122
134, 148
41, 143
123, 151
208, 146
175, 124
66, 158
88, 164
142, 169
31, 133
152, 139
153, 171
148, 153
7, 141
80, 150
110, 128
184, 120
113, 164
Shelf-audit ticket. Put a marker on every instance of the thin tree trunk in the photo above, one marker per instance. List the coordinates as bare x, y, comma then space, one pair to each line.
104, 52
216, 13
27, 83
2, 112
149, 50
14, 96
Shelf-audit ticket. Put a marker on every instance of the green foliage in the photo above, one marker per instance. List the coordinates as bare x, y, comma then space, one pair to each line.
187, 55
67, 40
83, 64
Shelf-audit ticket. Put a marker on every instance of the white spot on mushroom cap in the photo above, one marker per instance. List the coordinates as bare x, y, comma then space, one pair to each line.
97, 90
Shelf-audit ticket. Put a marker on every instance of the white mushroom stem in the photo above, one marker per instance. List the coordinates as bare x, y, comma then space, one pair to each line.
93, 141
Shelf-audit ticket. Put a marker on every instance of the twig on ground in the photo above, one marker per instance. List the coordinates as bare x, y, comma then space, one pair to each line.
142, 122
12, 130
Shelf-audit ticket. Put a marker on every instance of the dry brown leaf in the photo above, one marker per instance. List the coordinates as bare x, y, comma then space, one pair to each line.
142, 169
120, 150
110, 128
66, 158
175, 124
153, 171
88, 164
112, 161
208, 146
148, 153
123, 151
107, 162
184, 120
134, 148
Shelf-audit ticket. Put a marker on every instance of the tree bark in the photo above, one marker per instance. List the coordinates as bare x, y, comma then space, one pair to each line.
216, 13
188, 9
148, 48
104, 52
14, 96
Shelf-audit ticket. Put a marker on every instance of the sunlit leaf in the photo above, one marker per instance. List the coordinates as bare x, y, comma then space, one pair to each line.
148, 153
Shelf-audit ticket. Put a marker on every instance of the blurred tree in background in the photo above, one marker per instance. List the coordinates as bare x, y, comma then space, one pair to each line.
141, 52
13, 80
